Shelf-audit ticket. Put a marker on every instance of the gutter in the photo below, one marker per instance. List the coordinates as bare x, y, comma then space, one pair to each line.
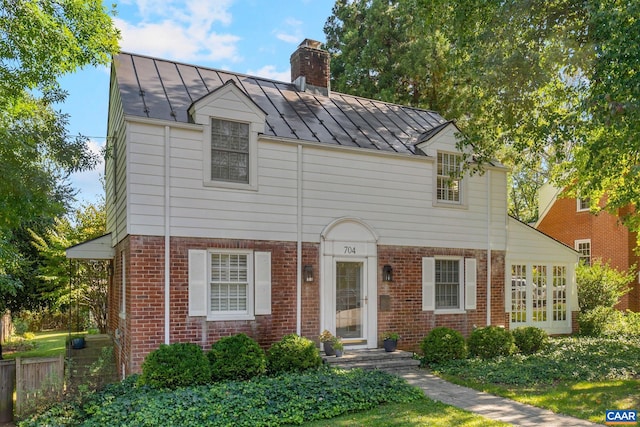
167, 233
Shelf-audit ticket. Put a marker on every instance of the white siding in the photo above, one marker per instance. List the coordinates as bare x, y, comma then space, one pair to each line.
391, 193
116, 168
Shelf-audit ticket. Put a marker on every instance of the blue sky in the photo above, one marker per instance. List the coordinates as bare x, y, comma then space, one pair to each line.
247, 36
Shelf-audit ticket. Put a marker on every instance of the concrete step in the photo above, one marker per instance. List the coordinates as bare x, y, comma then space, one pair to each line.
369, 359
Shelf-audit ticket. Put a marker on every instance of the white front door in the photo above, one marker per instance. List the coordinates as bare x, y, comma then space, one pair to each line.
351, 301
349, 282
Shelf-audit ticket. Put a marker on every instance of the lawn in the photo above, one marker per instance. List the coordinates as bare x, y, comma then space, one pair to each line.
581, 377
45, 344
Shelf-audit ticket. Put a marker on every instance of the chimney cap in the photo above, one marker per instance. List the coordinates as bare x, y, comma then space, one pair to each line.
314, 44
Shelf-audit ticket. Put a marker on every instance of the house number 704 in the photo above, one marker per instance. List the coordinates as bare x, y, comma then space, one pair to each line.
349, 249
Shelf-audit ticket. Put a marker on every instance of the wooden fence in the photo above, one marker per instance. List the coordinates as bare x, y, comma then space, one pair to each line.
38, 378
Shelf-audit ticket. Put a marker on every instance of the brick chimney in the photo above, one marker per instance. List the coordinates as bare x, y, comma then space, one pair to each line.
310, 68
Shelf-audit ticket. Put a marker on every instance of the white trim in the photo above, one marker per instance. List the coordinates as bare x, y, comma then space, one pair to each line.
578, 206
463, 186
578, 242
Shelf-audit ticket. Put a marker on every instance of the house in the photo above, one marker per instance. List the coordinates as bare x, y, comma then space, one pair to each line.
239, 204
601, 235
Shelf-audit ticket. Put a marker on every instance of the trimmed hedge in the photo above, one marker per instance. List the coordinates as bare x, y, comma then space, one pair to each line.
293, 353
529, 339
442, 344
490, 342
175, 365
237, 357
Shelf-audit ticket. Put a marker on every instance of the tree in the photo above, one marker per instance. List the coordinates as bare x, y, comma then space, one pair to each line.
40, 40
543, 85
88, 278
600, 285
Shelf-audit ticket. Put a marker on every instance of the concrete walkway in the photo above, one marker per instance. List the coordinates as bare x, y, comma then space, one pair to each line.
488, 405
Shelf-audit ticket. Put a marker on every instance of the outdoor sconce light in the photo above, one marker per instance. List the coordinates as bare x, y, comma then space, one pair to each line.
308, 273
387, 273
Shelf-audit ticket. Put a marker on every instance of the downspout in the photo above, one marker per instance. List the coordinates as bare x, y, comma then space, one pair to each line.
167, 232
299, 245
488, 247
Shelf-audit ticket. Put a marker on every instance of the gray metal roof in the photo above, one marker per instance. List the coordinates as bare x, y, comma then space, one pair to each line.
161, 89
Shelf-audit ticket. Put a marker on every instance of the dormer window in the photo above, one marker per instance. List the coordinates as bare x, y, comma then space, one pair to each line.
449, 177
229, 151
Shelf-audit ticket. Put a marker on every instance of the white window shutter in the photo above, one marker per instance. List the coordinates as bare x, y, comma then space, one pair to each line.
428, 284
262, 273
470, 283
197, 282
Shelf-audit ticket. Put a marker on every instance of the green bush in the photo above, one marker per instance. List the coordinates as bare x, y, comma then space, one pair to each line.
175, 365
443, 344
529, 339
609, 322
237, 357
600, 285
293, 354
490, 342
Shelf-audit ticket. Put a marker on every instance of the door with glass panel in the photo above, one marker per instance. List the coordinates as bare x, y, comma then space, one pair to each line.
351, 300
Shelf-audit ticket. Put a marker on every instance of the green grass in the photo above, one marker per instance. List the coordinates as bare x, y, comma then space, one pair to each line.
424, 412
580, 377
47, 344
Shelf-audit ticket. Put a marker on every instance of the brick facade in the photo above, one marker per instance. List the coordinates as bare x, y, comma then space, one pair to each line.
610, 240
141, 328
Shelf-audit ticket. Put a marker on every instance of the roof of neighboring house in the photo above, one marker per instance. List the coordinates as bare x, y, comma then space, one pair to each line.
161, 89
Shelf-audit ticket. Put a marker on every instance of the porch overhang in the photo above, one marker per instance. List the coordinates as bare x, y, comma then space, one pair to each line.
98, 248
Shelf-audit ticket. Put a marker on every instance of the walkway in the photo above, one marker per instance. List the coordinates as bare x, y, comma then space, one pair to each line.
488, 405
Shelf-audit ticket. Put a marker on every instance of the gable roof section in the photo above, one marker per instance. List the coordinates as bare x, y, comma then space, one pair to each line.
165, 90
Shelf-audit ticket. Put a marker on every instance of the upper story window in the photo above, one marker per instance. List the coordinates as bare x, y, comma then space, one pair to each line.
584, 249
229, 151
449, 177
583, 204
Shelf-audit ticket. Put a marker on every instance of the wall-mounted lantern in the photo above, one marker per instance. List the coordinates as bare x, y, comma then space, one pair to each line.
387, 273
308, 273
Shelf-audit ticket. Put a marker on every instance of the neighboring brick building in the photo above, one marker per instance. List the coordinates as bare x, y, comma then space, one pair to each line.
601, 235
241, 204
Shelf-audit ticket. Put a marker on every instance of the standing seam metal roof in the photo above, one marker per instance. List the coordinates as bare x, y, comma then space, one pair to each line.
162, 89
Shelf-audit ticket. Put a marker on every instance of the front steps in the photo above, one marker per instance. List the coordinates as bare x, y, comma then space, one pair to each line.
369, 359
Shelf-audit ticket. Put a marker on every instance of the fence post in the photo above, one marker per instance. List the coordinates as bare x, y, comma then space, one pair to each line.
7, 381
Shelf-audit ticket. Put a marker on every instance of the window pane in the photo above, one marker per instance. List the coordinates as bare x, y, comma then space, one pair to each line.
448, 177
229, 282
229, 151
447, 284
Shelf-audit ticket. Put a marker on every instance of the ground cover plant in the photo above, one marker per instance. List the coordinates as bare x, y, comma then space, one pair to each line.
578, 376
292, 398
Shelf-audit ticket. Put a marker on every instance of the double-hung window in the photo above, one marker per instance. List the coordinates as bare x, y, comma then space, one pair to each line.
229, 151
449, 177
449, 284
584, 250
229, 283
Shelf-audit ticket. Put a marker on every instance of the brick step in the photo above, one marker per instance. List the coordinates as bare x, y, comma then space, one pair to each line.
374, 359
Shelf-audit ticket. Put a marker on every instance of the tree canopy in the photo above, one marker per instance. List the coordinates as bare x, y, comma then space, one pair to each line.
41, 40
549, 87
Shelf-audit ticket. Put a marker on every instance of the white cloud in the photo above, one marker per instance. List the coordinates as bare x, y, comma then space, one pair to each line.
89, 182
180, 30
270, 72
292, 33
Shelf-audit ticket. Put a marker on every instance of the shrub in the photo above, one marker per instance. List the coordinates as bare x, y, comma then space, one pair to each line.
293, 354
490, 342
600, 285
443, 344
175, 365
237, 357
609, 322
529, 339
